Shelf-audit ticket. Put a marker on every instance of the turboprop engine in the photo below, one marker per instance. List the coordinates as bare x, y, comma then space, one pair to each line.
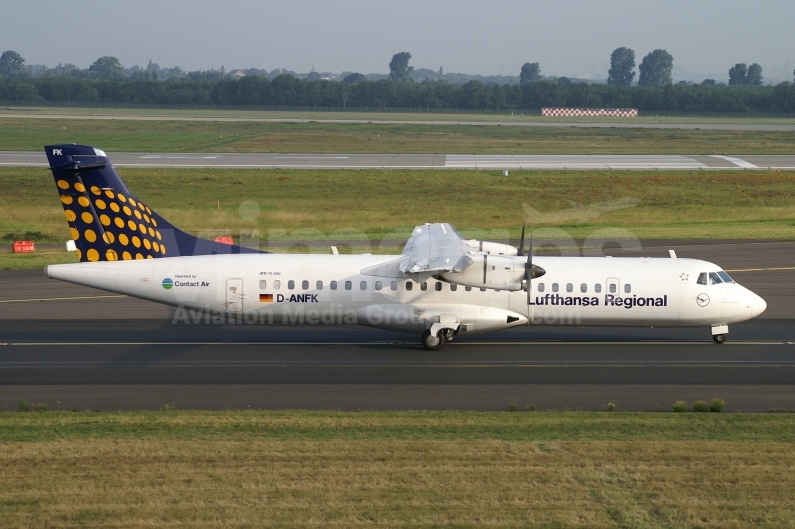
482, 270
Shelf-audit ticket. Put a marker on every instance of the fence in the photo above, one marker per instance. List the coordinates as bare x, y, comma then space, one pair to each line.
567, 112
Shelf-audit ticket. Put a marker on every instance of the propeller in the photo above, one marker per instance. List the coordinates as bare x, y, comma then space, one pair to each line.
528, 267
530, 271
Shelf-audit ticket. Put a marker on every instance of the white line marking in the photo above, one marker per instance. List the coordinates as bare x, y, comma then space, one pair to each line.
59, 299
736, 161
760, 269
637, 342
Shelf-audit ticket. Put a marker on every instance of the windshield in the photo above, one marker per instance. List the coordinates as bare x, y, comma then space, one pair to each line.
726, 279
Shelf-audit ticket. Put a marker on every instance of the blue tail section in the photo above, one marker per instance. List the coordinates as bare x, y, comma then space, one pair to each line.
107, 222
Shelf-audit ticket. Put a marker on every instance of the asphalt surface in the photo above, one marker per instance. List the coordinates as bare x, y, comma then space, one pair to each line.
626, 123
91, 349
423, 161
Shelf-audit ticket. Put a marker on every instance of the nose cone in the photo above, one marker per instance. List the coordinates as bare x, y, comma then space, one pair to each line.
759, 305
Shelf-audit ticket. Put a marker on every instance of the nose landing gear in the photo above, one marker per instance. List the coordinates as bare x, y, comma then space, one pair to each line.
719, 333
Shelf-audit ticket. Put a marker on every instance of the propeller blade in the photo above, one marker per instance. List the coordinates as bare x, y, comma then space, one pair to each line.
521, 242
528, 267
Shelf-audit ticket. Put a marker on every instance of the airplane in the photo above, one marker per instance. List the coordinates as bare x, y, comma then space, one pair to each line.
440, 287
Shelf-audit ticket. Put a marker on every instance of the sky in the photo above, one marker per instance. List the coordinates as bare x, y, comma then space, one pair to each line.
489, 37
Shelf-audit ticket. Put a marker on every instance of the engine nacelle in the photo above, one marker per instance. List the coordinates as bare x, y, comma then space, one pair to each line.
493, 248
488, 271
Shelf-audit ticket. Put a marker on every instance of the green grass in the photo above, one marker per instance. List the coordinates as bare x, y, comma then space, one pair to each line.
396, 469
373, 116
375, 204
409, 425
323, 137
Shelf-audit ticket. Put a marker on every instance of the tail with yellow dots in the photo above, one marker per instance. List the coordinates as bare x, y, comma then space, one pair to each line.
107, 222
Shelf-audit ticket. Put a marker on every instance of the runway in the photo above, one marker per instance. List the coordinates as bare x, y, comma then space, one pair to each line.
548, 122
90, 349
424, 161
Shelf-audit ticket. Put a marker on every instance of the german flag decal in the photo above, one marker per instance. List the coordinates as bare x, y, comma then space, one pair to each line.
266, 298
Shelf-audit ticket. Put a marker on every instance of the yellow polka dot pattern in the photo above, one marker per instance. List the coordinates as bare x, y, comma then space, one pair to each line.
103, 236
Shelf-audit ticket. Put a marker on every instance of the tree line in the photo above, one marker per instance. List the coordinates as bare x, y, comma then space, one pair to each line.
534, 91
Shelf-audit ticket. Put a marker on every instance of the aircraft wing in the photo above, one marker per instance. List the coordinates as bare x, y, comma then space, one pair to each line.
435, 249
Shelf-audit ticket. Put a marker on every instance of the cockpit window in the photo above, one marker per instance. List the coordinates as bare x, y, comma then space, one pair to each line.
714, 279
702, 278
726, 279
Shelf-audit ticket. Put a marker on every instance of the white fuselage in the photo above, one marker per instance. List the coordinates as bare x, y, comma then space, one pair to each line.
370, 290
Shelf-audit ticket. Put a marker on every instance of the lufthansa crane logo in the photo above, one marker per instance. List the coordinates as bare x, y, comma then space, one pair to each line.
702, 300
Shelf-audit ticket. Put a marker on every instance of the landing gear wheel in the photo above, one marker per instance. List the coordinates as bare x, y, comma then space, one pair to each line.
719, 338
431, 342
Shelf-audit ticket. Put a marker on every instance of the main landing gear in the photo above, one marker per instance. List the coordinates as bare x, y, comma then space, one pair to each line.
434, 342
719, 333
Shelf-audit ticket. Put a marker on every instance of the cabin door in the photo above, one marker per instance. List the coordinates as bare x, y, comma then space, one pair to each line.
234, 295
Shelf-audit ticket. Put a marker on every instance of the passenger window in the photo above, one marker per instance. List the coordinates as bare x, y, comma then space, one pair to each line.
291, 284
393, 285
597, 287
363, 285
438, 286
627, 288
569, 287
348, 285
702, 279
378, 285
319, 285
263, 284
333, 285
482, 289
277, 285
541, 287
714, 279
583, 288
468, 289
554, 287
424, 286
305, 284
409, 285
613, 288
453, 288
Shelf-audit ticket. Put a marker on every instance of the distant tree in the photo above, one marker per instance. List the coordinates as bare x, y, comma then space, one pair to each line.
531, 72
11, 64
354, 78
737, 73
107, 68
622, 62
564, 80
441, 71
708, 82
754, 75
313, 76
399, 69
655, 69
740, 74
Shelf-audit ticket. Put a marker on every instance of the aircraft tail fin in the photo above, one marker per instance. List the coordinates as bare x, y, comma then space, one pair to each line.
107, 222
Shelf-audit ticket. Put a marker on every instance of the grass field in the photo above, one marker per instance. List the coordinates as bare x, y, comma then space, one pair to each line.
376, 204
460, 469
319, 137
517, 117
